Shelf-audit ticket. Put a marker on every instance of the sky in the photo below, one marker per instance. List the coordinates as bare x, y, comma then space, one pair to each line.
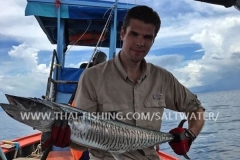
197, 42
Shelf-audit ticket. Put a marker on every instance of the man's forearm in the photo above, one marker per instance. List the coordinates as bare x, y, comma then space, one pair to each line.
196, 121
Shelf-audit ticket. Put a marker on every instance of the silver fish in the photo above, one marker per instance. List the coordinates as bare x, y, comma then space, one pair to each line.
86, 130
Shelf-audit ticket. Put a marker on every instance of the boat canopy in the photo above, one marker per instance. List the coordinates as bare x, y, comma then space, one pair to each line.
80, 17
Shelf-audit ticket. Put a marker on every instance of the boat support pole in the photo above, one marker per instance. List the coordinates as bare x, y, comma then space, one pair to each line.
113, 35
16, 144
2, 155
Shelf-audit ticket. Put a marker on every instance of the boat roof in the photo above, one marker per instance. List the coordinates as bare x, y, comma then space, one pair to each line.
80, 16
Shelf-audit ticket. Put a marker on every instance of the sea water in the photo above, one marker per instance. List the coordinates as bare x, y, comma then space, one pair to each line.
220, 136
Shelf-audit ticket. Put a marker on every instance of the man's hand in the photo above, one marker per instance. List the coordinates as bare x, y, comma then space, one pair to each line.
59, 136
182, 141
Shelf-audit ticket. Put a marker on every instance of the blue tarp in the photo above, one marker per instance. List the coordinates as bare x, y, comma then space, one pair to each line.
69, 74
76, 9
77, 16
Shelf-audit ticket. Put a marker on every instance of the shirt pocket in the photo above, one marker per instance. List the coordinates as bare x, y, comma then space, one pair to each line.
154, 105
155, 101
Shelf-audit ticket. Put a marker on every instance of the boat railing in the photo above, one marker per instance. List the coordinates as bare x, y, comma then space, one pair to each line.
62, 81
50, 91
19, 147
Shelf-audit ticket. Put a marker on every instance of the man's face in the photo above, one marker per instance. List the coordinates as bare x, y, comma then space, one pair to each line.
137, 40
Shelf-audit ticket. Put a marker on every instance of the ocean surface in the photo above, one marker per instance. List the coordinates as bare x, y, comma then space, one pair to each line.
219, 139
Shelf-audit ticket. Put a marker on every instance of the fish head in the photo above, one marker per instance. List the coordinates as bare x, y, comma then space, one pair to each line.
22, 103
33, 112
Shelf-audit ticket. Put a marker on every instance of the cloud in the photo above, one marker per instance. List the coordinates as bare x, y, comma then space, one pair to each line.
21, 74
181, 19
166, 61
19, 28
219, 40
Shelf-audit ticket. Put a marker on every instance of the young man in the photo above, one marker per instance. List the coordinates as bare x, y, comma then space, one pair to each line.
127, 84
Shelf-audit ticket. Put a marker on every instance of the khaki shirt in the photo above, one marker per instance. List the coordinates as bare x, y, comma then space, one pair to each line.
107, 88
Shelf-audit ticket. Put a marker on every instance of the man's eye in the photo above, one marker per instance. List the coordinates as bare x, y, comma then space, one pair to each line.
134, 34
149, 37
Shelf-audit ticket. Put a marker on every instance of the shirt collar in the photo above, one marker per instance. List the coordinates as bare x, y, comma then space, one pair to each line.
118, 64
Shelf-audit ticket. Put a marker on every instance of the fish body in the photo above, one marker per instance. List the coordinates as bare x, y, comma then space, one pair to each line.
86, 129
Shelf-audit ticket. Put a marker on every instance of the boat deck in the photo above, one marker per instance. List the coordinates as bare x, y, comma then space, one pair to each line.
60, 155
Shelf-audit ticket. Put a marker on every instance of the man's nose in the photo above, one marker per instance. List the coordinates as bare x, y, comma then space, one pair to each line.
140, 41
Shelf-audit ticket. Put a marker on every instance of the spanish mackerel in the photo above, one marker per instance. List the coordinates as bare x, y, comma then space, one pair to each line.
86, 130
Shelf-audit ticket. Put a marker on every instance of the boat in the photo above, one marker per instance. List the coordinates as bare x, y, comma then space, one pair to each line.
27, 148
69, 22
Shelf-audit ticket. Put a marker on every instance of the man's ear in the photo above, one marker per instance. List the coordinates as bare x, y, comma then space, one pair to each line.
122, 33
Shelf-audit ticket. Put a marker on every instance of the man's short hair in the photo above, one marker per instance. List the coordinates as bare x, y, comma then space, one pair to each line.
145, 14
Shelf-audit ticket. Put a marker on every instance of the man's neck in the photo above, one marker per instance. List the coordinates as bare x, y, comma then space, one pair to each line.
133, 69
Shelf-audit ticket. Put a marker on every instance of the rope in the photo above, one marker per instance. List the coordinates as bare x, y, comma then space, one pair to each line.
57, 3
80, 36
37, 153
103, 33
56, 65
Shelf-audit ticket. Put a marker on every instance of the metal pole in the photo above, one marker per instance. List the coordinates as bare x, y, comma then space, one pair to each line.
113, 36
2, 155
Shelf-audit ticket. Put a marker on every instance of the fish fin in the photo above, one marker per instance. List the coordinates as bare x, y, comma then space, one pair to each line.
117, 156
186, 156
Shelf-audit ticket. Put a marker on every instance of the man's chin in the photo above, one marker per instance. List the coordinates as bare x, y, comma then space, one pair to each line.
137, 60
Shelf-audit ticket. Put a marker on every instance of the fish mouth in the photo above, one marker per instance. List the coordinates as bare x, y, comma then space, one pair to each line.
18, 101
6, 108
11, 110
12, 99
14, 111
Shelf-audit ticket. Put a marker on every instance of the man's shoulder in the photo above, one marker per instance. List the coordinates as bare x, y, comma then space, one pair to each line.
159, 72
155, 68
101, 68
